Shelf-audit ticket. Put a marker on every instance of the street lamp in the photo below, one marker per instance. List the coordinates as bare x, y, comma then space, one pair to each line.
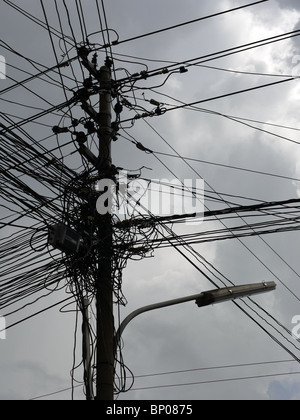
202, 299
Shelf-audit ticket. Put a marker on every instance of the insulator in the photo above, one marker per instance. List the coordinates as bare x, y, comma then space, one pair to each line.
154, 102
58, 130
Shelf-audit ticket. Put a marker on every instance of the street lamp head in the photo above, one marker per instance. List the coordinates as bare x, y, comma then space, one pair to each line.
230, 293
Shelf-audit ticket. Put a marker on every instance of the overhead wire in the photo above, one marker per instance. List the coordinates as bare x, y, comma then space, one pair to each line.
187, 371
240, 120
239, 235
56, 57
201, 101
178, 238
211, 381
180, 242
200, 60
188, 22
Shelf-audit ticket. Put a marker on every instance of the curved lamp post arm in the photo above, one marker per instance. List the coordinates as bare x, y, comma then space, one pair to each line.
147, 308
202, 299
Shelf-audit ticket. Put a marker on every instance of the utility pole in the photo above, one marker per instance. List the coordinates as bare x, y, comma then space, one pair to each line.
70, 240
104, 280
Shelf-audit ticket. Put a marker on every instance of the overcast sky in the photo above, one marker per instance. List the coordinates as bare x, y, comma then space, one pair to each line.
37, 356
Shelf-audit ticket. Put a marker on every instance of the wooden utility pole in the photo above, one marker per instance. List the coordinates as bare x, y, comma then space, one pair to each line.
104, 274
104, 280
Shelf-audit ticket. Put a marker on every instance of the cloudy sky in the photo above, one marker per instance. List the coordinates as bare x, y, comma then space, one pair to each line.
181, 352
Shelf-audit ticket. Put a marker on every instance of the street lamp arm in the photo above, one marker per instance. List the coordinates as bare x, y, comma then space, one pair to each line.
202, 299
147, 308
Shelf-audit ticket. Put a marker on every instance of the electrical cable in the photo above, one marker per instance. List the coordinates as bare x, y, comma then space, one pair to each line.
211, 381
188, 23
183, 371
200, 60
226, 95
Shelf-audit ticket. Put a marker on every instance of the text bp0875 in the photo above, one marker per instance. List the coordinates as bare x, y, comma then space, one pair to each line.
171, 409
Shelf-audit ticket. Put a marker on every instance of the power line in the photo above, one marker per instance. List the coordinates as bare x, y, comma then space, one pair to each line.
50, 394
37, 313
226, 166
175, 372
178, 372
187, 23
34, 19
226, 95
200, 60
244, 121
212, 381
